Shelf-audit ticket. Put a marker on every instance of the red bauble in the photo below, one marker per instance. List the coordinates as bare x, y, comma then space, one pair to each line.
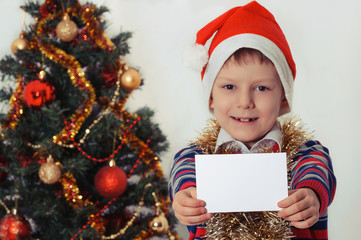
14, 227
37, 93
110, 182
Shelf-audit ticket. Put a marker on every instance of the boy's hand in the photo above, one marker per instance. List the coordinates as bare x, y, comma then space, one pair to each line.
188, 209
301, 208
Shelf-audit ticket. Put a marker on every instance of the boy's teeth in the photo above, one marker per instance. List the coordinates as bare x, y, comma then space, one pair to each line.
244, 119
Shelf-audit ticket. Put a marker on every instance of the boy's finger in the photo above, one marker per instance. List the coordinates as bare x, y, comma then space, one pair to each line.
188, 211
300, 216
292, 198
187, 200
293, 209
192, 192
194, 220
306, 223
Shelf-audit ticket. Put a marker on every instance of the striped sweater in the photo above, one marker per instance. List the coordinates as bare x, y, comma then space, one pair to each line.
312, 169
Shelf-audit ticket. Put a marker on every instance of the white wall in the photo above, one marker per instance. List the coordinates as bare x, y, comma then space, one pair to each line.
325, 39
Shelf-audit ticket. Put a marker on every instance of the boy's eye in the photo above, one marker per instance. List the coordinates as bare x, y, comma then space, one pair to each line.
228, 87
261, 88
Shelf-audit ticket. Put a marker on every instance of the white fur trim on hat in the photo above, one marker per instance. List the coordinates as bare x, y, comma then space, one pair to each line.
195, 57
227, 47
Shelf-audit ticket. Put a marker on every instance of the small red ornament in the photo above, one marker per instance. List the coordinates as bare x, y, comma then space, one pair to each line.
110, 75
110, 182
47, 8
3, 163
25, 160
37, 93
115, 221
14, 227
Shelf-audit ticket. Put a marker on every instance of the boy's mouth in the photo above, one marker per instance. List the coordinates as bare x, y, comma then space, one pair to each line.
244, 119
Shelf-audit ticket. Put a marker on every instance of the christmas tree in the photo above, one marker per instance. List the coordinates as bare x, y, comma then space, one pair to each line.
74, 163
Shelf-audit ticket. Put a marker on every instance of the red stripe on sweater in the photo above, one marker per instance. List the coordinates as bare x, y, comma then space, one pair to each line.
191, 236
318, 154
200, 232
182, 159
182, 172
187, 185
311, 170
300, 163
301, 233
310, 234
319, 234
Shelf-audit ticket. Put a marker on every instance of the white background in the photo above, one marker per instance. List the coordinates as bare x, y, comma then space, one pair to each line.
325, 39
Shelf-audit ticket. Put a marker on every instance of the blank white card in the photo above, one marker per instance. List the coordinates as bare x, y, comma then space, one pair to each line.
241, 182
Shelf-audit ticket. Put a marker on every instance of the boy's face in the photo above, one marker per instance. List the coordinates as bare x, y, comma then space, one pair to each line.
246, 99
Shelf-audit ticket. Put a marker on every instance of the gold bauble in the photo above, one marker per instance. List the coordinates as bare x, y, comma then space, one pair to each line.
130, 79
159, 223
49, 172
19, 44
66, 30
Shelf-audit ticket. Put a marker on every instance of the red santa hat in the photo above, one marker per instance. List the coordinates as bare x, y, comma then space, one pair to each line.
248, 26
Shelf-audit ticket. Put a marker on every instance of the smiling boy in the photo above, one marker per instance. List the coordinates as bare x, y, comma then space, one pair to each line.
247, 97
249, 77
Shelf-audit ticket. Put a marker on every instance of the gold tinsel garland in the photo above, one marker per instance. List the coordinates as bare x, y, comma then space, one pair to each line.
76, 200
77, 77
16, 106
148, 155
75, 71
252, 225
96, 32
72, 193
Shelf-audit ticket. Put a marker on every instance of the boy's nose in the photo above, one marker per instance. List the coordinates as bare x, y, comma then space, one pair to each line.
245, 101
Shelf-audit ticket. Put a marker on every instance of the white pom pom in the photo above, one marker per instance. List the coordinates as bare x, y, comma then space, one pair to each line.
195, 57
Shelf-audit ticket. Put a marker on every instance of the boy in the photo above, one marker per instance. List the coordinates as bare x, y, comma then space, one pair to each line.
249, 77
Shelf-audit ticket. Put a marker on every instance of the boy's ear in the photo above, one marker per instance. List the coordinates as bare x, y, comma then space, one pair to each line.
210, 103
284, 103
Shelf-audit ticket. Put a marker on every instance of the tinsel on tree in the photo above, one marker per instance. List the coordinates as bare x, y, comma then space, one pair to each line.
74, 163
